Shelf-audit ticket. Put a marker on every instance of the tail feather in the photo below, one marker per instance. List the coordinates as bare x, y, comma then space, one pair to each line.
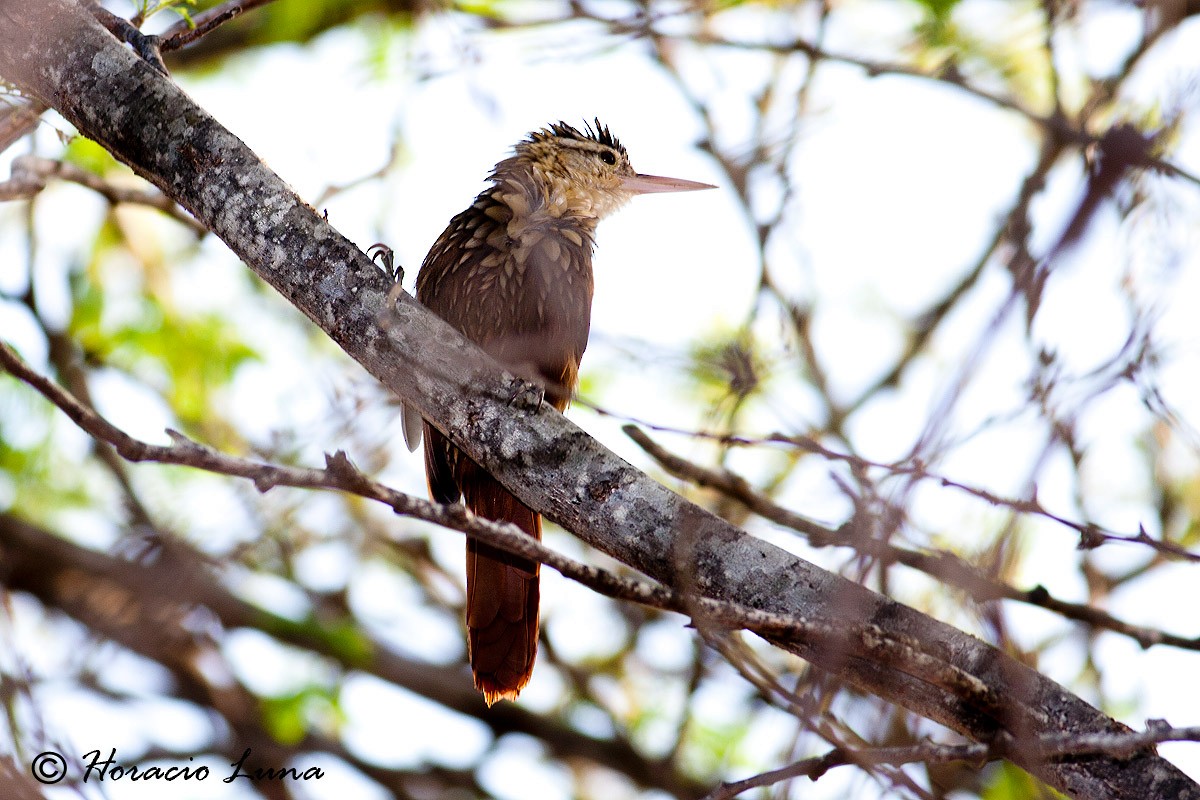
502, 594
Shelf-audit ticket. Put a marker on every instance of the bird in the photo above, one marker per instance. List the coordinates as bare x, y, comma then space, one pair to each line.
513, 273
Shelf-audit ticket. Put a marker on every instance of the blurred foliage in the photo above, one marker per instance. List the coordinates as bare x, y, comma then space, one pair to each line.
290, 717
39, 478
1015, 61
726, 370
297, 21
125, 312
92, 157
186, 358
145, 9
1013, 783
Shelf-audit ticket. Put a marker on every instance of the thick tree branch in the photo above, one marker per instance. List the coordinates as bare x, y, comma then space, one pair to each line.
56, 51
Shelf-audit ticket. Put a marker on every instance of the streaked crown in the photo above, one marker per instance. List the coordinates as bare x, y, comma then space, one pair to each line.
563, 171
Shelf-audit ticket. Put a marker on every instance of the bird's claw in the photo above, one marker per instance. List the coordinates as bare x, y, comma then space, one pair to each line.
381, 254
147, 46
527, 394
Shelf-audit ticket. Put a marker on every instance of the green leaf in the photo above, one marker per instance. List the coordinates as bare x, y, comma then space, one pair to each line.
938, 9
86, 154
288, 717
147, 9
186, 358
1010, 782
42, 480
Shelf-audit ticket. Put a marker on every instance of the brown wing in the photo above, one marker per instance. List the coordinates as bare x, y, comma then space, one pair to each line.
527, 301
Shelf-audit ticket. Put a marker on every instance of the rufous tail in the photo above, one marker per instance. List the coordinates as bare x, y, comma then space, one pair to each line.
502, 595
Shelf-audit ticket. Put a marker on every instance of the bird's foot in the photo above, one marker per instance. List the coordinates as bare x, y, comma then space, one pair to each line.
381, 254
147, 46
526, 394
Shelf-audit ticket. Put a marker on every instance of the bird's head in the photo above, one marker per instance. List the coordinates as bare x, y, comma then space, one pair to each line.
583, 173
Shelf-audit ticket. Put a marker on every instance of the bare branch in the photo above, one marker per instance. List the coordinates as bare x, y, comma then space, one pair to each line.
181, 34
18, 118
31, 173
870, 642
942, 565
1116, 745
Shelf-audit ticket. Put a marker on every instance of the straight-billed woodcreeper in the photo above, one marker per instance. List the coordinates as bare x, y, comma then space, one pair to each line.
513, 273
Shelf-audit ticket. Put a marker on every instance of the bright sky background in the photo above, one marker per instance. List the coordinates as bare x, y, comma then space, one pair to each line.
899, 182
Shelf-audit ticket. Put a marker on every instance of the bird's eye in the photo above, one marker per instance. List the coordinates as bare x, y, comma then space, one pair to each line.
607, 157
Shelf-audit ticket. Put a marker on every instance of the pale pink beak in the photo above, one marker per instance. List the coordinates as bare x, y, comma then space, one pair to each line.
649, 184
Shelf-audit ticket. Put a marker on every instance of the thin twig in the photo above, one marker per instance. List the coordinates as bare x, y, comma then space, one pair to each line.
942, 565
1052, 746
181, 34
31, 173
